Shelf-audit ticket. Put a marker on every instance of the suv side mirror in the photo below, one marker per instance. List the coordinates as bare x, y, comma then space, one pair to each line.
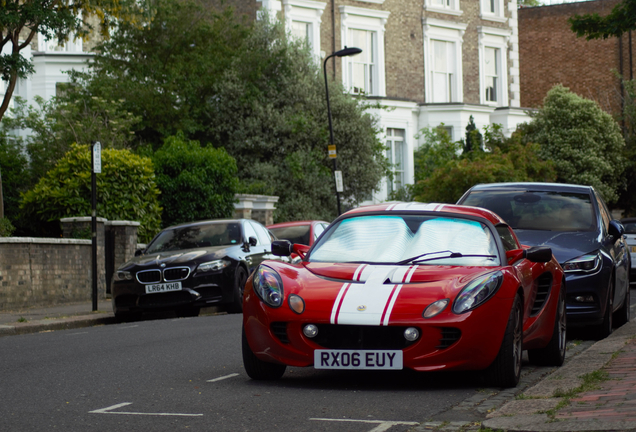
252, 241
616, 229
139, 252
282, 248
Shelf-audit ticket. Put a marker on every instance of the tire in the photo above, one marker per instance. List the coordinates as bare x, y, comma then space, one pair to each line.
240, 277
188, 312
505, 370
554, 353
623, 315
606, 327
256, 368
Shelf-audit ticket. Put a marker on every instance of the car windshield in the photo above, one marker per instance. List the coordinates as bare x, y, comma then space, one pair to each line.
538, 210
295, 234
408, 239
630, 227
196, 236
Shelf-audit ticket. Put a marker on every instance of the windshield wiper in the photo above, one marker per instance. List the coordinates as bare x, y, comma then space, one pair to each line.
451, 254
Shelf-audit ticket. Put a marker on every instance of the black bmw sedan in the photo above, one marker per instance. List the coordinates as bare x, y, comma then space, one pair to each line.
575, 223
189, 266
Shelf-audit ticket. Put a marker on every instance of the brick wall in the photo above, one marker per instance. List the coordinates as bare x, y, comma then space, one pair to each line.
550, 54
43, 272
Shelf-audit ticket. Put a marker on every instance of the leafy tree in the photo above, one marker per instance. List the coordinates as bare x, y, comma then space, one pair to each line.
13, 166
73, 118
474, 139
21, 20
529, 3
593, 26
507, 160
196, 182
269, 112
164, 71
584, 142
126, 190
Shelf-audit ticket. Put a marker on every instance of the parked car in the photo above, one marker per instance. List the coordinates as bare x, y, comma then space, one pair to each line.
630, 237
189, 266
575, 222
301, 232
393, 286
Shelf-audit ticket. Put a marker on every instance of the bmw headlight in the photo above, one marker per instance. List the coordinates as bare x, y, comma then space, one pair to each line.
122, 275
213, 265
584, 263
477, 292
268, 286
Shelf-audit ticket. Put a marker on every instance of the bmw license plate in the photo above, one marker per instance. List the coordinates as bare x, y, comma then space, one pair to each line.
163, 287
358, 359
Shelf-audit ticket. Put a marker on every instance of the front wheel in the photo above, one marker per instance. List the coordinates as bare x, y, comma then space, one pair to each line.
605, 329
505, 371
554, 353
240, 277
623, 315
256, 368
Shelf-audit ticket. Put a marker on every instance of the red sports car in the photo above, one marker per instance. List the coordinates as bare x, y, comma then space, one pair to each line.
422, 286
301, 232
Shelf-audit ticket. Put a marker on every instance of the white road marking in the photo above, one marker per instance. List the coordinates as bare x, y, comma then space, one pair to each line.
109, 410
383, 425
73, 334
129, 327
223, 377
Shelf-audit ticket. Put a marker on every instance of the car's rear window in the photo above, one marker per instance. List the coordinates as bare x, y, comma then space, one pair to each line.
295, 234
630, 227
196, 236
538, 210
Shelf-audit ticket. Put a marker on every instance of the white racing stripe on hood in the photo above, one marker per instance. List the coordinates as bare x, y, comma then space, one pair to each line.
371, 302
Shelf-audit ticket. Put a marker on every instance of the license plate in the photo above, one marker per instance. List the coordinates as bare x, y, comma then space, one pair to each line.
634, 249
358, 359
163, 287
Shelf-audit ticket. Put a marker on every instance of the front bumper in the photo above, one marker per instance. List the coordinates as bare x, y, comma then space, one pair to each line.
584, 313
447, 342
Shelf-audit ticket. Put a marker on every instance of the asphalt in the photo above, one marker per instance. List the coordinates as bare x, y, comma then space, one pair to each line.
595, 390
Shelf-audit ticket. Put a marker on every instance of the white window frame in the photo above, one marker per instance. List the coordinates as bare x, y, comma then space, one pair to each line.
447, 31
355, 18
450, 7
308, 12
498, 39
390, 140
486, 12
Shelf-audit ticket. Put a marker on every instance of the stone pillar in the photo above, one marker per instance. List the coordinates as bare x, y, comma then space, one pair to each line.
77, 227
122, 243
264, 207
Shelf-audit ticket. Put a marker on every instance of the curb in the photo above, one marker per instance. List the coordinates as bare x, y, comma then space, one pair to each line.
52, 324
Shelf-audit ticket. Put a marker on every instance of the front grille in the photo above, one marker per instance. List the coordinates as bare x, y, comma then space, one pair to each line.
361, 337
149, 276
280, 331
450, 335
176, 274
544, 283
175, 298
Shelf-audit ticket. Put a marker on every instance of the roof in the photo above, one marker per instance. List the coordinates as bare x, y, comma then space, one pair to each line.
295, 223
418, 207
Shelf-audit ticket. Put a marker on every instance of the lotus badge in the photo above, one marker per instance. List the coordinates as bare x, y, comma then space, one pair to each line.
362, 308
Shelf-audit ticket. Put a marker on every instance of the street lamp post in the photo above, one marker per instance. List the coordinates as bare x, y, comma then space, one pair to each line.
332, 147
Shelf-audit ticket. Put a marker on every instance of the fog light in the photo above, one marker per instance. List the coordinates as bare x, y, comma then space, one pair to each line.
296, 303
411, 334
584, 299
310, 330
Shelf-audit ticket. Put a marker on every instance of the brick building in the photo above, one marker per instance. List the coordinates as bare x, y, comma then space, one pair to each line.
431, 61
550, 53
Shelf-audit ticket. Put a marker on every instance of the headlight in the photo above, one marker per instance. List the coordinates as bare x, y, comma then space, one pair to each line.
123, 275
477, 292
213, 266
268, 286
583, 263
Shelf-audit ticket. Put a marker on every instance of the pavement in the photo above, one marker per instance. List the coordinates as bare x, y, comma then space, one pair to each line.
595, 390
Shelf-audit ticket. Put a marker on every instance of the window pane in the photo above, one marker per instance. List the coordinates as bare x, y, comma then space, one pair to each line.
300, 30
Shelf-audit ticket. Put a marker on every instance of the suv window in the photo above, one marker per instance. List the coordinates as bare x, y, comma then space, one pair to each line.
249, 232
538, 210
263, 235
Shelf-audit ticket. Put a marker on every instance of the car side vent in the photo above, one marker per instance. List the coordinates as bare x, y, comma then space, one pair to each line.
544, 283
450, 335
280, 331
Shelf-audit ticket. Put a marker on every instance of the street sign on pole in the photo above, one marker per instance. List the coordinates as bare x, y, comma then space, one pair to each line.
332, 151
339, 183
97, 157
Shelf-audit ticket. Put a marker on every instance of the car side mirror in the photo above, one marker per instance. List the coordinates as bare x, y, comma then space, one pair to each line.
282, 248
252, 241
538, 254
139, 252
616, 229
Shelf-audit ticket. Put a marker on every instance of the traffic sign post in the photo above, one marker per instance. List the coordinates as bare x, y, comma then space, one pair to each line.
96, 167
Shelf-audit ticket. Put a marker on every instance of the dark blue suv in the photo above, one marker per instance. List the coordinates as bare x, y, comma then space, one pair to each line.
590, 246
